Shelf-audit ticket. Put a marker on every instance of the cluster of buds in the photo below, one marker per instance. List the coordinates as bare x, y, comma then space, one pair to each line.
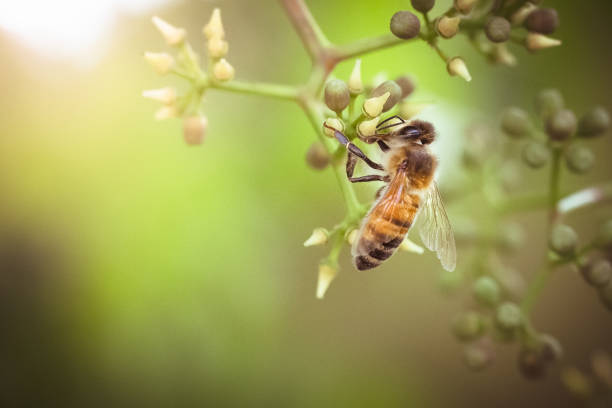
187, 65
564, 133
488, 28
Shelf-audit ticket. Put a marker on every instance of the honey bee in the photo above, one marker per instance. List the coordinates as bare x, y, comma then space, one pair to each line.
408, 170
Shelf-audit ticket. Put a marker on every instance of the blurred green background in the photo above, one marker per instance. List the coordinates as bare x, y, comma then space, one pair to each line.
137, 270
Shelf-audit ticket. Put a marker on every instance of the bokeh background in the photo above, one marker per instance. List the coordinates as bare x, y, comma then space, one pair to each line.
137, 270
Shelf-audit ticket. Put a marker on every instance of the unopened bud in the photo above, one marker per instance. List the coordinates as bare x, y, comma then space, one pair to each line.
579, 159
423, 5
408, 110
577, 382
214, 27
543, 21
351, 236
335, 124
223, 71
319, 236
534, 359
498, 29
502, 56
173, 35
317, 156
194, 129
468, 326
597, 273
166, 95
561, 124
337, 95
521, 14
326, 275
372, 107
563, 239
535, 154
486, 291
464, 6
509, 316
166, 112
477, 356
548, 102
395, 93
595, 123
447, 26
368, 127
409, 246
535, 42
515, 122
355, 84
217, 48
161, 62
456, 67
406, 84
405, 25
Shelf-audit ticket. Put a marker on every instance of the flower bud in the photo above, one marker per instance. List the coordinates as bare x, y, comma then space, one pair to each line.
166, 95
563, 239
161, 62
326, 275
355, 84
409, 246
172, 34
535, 154
515, 122
214, 28
317, 156
543, 21
351, 236
512, 234
561, 124
468, 326
372, 107
477, 356
423, 5
486, 291
447, 26
509, 316
579, 159
548, 102
337, 96
498, 29
576, 382
334, 123
166, 112
319, 236
521, 14
395, 93
406, 84
595, 123
604, 238
217, 48
194, 129
456, 67
223, 71
501, 55
368, 127
597, 273
408, 110
405, 25
533, 360
536, 42
464, 6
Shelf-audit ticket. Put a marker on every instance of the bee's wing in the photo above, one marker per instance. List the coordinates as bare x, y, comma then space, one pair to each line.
436, 231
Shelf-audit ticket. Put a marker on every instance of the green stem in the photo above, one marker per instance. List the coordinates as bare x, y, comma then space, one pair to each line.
553, 197
364, 46
258, 88
535, 288
310, 33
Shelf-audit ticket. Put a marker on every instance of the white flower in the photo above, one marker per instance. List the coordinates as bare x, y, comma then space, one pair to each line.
173, 35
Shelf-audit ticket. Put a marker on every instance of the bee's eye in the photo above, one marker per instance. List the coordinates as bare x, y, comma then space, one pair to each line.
409, 132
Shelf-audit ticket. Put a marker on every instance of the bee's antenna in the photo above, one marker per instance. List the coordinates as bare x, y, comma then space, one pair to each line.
388, 119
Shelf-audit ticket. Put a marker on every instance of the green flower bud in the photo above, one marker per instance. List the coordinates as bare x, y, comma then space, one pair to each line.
561, 124
405, 25
605, 295
595, 123
515, 122
317, 156
423, 5
406, 84
337, 95
395, 93
477, 356
579, 159
605, 234
548, 102
563, 239
543, 21
597, 273
535, 154
498, 29
486, 291
509, 316
468, 326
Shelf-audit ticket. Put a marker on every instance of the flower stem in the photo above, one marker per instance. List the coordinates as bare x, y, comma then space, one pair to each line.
535, 288
259, 88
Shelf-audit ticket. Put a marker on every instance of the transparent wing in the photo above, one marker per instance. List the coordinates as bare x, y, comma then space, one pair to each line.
436, 231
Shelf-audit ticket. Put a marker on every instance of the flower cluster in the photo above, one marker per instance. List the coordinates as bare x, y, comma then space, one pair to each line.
187, 65
489, 26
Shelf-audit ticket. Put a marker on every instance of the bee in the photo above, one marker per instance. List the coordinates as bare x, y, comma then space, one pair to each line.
408, 170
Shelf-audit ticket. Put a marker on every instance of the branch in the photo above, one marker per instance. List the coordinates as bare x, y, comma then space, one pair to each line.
310, 33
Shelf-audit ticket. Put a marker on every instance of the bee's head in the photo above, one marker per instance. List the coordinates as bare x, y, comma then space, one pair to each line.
417, 130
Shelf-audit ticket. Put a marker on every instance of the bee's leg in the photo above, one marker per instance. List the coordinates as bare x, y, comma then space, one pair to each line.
353, 149
351, 161
371, 177
388, 119
383, 146
379, 192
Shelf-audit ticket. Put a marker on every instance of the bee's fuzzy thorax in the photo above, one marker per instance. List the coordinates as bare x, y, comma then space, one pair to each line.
427, 130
